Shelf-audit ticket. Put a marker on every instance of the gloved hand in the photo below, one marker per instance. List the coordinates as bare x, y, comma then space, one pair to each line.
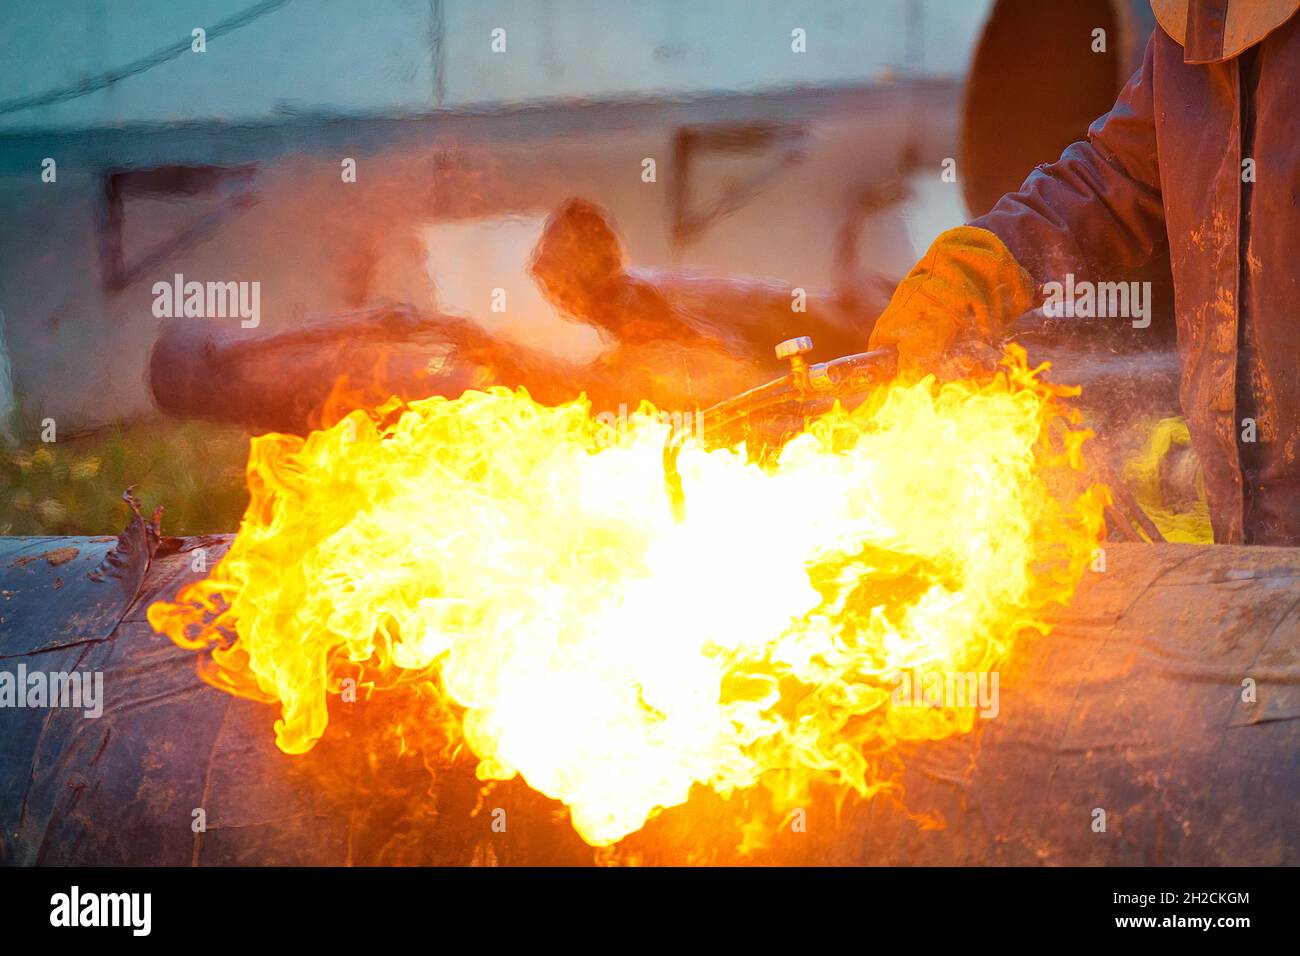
968, 286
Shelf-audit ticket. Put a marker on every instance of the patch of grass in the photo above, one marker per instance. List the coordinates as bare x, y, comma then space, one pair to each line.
74, 485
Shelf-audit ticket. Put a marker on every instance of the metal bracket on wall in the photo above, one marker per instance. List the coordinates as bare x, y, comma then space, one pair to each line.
783, 142
230, 185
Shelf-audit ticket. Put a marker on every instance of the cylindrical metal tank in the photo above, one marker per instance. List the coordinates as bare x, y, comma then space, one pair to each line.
1159, 723
1039, 76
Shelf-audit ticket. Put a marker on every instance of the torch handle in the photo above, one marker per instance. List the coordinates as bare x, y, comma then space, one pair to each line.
839, 378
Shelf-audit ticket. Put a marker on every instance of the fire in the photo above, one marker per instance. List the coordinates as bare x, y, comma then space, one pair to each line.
618, 643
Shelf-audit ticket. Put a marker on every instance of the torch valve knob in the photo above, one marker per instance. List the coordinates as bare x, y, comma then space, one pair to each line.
794, 349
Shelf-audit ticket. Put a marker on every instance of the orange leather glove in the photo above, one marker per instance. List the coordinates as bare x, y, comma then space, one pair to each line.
967, 286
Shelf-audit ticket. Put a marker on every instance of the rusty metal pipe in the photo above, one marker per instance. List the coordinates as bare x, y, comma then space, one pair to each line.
279, 380
1133, 705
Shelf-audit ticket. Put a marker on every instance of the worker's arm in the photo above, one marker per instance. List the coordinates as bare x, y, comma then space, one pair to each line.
1096, 211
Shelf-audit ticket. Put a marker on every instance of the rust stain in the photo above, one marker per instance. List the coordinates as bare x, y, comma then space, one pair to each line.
1223, 302
60, 556
55, 557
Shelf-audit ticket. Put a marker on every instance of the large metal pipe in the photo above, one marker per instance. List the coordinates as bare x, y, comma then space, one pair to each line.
1164, 705
283, 380
655, 322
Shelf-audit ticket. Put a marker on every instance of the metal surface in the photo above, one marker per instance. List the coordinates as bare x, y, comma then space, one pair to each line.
64, 592
1133, 705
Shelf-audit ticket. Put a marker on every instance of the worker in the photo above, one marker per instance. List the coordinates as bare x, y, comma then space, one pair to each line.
1196, 157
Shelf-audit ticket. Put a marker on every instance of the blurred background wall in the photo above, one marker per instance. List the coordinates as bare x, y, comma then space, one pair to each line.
808, 167
407, 56
811, 143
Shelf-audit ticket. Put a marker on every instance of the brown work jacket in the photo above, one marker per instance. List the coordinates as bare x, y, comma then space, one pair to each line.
1199, 157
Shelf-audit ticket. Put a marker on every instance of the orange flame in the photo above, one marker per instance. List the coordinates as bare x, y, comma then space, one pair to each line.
526, 565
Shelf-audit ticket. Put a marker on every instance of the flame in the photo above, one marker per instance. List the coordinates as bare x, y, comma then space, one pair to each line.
618, 645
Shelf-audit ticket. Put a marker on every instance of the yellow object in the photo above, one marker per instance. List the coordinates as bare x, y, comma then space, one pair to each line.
1151, 475
968, 285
